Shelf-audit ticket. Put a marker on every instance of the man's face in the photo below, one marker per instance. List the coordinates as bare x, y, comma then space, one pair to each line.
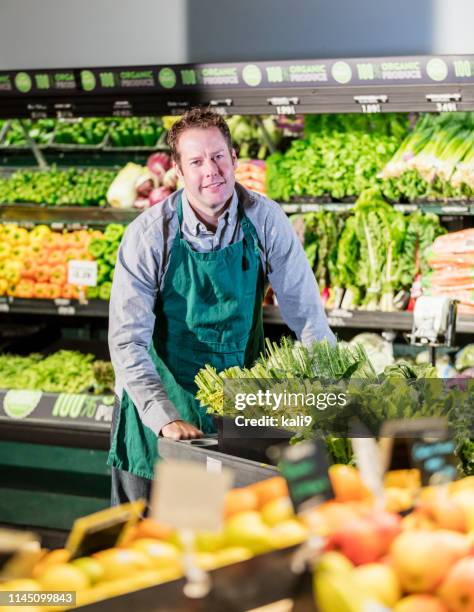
207, 168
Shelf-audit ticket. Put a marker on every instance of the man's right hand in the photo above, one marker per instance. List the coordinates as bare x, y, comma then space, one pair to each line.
180, 430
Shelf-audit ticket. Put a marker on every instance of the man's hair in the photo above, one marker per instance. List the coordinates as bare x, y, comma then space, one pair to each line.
197, 118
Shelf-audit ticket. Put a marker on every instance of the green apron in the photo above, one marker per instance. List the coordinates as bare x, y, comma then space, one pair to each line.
209, 312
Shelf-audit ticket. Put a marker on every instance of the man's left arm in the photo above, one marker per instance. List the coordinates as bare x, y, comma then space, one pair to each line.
293, 281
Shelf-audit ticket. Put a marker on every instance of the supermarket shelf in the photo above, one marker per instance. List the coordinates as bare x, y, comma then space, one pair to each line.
360, 319
347, 85
438, 208
61, 307
79, 217
61, 217
352, 319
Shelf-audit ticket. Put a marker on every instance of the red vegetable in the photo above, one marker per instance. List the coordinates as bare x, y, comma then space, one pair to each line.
144, 187
158, 195
159, 163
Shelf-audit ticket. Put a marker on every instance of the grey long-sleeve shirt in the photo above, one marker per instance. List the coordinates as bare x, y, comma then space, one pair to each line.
142, 262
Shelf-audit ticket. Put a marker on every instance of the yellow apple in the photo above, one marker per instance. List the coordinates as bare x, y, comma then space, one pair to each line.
380, 581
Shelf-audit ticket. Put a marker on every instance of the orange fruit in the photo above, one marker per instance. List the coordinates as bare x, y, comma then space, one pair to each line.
148, 528
267, 490
347, 483
240, 500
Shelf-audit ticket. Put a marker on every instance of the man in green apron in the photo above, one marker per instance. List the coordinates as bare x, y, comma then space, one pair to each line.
188, 290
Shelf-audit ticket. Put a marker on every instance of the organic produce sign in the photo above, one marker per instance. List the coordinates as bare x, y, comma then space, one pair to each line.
70, 407
274, 74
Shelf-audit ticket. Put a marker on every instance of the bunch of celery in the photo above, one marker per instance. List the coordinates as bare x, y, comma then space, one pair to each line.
435, 161
283, 362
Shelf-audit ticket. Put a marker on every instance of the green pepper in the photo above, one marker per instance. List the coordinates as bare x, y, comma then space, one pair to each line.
105, 290
103, 272
97, 247
111, 256
114, 232
149, 136
92, 293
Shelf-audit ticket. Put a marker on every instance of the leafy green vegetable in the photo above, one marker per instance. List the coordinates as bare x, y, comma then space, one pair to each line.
61, 372
339, 157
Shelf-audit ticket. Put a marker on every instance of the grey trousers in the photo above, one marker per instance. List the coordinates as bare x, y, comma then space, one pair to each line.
126, 487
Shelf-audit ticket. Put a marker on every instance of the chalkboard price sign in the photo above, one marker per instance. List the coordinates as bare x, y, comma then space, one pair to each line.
305, 468
423, 443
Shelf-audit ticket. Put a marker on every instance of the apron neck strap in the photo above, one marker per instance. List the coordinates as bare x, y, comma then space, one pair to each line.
247, 228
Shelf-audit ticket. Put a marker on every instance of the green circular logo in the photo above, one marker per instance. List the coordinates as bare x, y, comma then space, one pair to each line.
341, 72
88, 80
437, 69
23, 82
252, 75
167, 78
20, 404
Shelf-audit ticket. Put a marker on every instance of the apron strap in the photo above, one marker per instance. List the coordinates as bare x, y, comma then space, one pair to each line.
247, 227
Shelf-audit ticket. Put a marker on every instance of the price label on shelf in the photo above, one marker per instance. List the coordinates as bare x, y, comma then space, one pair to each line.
82, 273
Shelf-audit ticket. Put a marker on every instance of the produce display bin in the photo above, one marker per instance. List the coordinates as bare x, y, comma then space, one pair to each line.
53, 468
242, 586
206, 451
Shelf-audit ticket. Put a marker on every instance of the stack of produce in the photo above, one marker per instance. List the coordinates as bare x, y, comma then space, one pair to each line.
322, 231
435, 161
421, 563
34, 263
402, 390
370, 559
254, 137
258, 518
82, 131
39, 131
339, 157
143, 186
57, 187
365, 258
135, 132
451, 259
103, 249
251, 174
60, 372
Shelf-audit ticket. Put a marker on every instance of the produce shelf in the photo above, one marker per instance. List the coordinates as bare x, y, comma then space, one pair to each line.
64, 217
238, 587
80, 217
438, 208
351, 319
61, 307
206, 451
362, 319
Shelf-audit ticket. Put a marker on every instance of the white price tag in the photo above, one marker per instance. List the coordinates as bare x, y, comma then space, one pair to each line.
82, 273
368, 460
213, 465
188, 497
